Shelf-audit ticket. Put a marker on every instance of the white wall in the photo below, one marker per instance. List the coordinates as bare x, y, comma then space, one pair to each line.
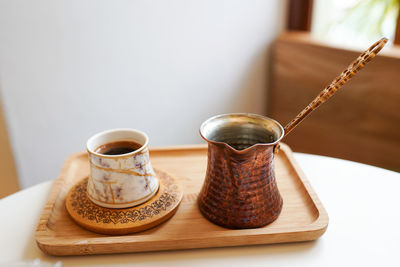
71, 68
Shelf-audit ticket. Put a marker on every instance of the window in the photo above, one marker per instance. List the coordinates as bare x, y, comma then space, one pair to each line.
357, 22
347, 22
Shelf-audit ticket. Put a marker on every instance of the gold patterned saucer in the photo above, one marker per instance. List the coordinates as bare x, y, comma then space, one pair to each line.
129, 220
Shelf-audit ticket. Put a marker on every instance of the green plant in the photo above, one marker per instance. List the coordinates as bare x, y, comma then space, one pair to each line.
368, 17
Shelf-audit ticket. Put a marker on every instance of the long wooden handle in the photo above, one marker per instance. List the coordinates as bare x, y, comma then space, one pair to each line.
325, 94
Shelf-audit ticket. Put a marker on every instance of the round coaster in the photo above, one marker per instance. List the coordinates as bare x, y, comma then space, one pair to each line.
129, 220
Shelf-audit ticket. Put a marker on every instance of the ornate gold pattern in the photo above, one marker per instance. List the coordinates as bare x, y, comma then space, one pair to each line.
85, 208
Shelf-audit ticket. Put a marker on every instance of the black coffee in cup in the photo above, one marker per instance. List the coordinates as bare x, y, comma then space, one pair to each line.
118, 148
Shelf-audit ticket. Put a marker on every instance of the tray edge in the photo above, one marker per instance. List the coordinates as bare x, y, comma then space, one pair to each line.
321, 223
313, 231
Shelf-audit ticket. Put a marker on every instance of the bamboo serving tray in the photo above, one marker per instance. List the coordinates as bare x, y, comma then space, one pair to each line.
302, 218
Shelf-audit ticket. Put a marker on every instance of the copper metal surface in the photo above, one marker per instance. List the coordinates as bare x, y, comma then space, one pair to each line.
240, 189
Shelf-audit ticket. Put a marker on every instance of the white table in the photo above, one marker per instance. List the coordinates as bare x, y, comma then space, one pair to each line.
363, 203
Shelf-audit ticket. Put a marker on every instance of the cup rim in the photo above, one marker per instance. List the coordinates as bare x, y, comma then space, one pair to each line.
251, 115
90, 151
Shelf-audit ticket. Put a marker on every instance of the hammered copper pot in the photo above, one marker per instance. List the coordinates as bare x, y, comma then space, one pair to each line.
240, 190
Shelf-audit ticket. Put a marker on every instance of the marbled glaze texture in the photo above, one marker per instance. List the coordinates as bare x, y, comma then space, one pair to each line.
121, 180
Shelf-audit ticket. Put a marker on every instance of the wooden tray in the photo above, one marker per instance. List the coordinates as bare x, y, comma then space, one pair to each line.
303, 216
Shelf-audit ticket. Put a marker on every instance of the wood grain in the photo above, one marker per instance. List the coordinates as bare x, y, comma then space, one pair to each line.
8, 178
337, 83
360, 123
300, 15
397, 33
113, 221
303, 216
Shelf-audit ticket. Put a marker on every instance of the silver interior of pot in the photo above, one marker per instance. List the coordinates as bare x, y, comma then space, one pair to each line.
242, 130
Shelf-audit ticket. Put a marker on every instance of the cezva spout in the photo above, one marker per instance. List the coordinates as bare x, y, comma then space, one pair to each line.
240, 190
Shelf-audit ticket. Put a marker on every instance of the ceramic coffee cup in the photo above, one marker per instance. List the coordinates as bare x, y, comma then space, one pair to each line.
121, 174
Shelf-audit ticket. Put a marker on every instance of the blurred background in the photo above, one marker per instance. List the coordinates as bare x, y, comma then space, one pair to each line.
69, 69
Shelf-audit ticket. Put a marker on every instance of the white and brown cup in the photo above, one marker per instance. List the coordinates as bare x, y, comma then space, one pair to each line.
121, 177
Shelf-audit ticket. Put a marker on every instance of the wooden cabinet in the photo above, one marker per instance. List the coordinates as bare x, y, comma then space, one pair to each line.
360, 123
